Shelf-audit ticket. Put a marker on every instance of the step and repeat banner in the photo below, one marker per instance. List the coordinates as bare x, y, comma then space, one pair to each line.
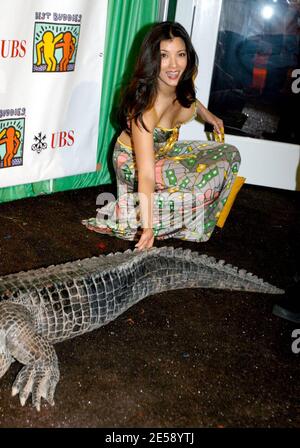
51, 62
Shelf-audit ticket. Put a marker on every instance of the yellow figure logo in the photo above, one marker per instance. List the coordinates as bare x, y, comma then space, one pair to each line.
47, 47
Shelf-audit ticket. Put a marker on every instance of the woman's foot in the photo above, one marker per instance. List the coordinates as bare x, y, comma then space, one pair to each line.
95, 228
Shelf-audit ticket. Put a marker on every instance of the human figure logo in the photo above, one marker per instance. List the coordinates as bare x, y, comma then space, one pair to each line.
11, 142
55, 47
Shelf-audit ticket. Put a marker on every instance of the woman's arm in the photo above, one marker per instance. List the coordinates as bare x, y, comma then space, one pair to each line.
209, 117
145, 161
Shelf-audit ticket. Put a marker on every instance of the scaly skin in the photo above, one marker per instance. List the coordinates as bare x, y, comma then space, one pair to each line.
41, 307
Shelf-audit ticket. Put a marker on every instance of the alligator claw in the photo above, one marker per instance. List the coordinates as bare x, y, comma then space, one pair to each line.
39, 379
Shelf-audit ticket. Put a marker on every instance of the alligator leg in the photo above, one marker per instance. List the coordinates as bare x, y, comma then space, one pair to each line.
19, 340
5, 358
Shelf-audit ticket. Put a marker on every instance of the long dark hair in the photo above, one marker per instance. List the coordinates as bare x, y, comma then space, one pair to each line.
140, 94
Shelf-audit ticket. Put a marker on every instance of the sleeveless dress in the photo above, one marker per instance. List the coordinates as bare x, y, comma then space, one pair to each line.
193, 181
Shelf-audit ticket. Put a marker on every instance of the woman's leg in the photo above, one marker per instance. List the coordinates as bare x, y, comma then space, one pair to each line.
201, 174
119, 217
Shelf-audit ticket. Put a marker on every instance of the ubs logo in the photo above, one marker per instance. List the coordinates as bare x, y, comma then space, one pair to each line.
58, 140
12, 48
62, 139
55, 47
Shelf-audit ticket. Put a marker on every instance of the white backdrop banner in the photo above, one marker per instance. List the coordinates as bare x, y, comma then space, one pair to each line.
51, 61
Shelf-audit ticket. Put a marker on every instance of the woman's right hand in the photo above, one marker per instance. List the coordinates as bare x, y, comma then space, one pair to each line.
146, 241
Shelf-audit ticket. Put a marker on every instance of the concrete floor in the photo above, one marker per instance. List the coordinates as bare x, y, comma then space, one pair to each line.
188, 358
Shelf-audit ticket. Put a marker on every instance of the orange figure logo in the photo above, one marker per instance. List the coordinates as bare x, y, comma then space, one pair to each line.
11, 138
68, 47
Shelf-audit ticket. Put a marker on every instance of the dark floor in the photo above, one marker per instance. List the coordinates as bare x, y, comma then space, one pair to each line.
188, 358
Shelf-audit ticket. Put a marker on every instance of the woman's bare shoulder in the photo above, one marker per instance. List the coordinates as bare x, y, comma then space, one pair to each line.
150, 119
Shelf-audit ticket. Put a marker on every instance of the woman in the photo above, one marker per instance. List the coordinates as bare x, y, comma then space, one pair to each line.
166, 188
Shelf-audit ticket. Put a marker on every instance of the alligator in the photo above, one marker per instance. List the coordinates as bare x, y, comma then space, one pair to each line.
41, 307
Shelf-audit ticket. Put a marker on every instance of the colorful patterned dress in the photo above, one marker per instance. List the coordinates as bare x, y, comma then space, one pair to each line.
193, 181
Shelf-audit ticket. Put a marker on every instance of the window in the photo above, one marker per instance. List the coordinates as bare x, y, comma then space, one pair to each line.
256, 79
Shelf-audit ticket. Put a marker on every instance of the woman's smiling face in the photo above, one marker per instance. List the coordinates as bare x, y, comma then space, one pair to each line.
173, 61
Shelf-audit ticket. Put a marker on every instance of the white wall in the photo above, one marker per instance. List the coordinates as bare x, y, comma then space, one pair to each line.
264, 162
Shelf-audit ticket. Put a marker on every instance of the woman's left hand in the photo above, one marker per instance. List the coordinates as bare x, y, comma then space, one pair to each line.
146, 241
